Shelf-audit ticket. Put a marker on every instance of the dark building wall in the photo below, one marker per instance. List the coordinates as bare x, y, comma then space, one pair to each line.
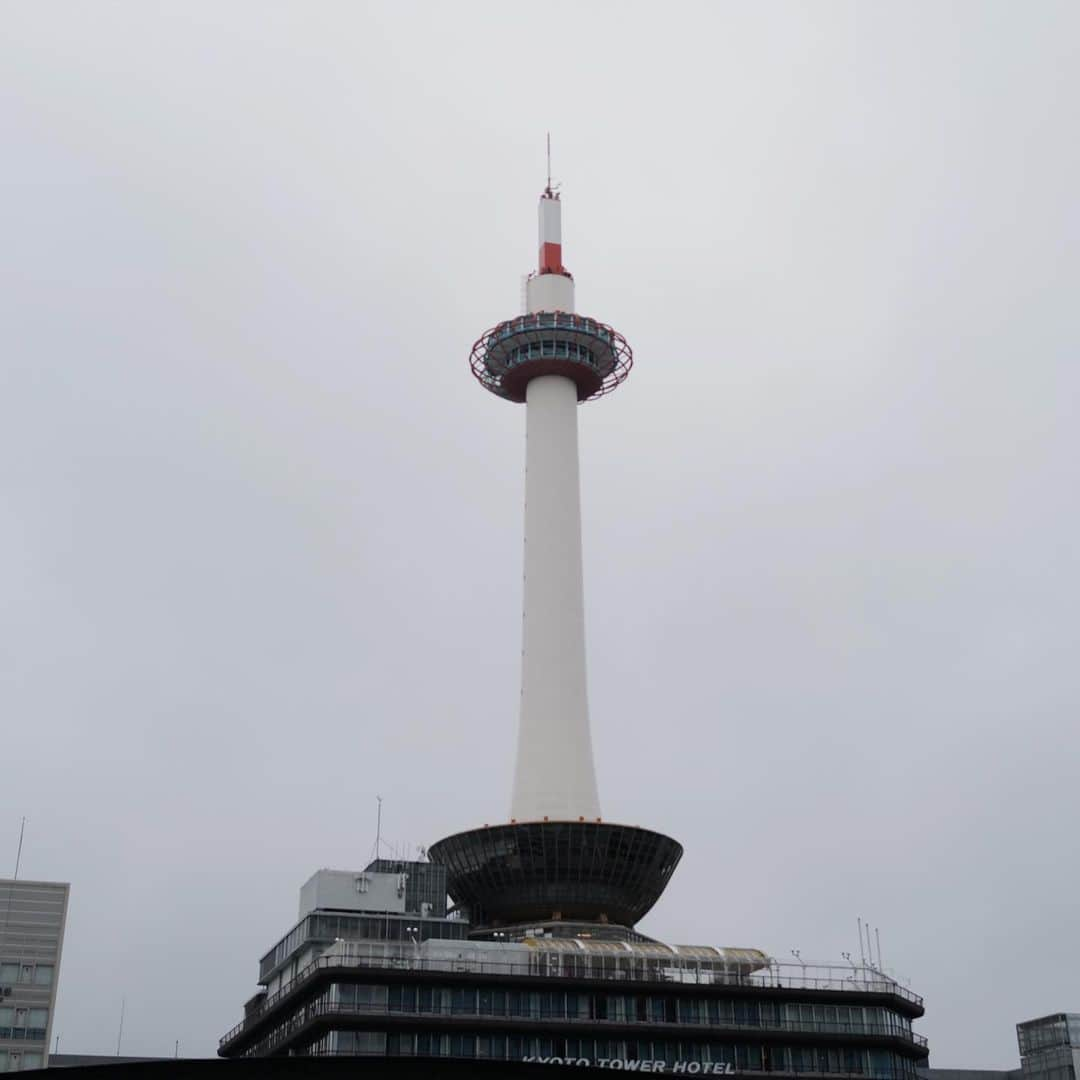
68, 1061
969, 1074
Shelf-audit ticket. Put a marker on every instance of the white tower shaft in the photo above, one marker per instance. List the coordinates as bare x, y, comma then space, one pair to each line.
554, 777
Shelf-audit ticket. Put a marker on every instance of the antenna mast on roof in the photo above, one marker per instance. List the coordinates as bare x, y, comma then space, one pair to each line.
120, 1033
18, 854
549, 191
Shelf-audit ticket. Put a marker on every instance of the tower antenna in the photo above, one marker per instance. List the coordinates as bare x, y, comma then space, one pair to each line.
18, 854
11, 890
378, 826
120, 1033
548, 188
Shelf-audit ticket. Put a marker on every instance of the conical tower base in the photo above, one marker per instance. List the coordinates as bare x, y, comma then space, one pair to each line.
539, 871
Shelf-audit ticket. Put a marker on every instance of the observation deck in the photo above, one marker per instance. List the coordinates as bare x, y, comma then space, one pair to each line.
590, 353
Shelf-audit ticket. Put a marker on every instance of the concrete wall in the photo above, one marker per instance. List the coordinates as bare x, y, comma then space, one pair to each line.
351, 890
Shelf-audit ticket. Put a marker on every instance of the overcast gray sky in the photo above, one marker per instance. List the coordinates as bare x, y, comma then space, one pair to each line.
260, 531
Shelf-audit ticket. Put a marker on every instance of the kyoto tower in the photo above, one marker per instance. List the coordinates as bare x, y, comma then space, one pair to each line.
557, 864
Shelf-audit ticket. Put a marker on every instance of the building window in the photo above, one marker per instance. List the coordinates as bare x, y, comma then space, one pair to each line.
402, 1044
667, 1051
689, 1011
746, 1012
463, 1046
853, 1061
552, 1005
520, 1003
370, 1042
774, 1059
43, 975
580, 1048
462, 1001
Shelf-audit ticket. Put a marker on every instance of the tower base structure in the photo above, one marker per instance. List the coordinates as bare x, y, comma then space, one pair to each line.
541, 872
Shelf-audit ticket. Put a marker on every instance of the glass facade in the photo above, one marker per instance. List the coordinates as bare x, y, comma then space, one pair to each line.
1050, 1047
591, 1005
425, 884
325, 927
536, 350
463, 1019
677, 1055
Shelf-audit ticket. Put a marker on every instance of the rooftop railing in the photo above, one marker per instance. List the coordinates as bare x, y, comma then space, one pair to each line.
672, 970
